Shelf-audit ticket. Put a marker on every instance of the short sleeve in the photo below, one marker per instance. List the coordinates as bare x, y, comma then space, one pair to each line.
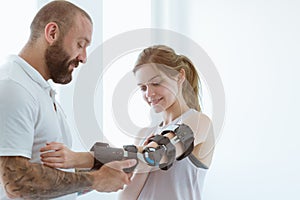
17, 119
204, 134
201, 126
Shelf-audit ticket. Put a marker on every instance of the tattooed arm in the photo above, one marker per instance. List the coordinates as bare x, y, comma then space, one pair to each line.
22, 179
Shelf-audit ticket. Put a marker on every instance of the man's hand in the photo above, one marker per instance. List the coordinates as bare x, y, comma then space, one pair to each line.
23, 179
111, 177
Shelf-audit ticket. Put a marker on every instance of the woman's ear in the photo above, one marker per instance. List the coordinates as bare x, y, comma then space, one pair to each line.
51, 32
181, 76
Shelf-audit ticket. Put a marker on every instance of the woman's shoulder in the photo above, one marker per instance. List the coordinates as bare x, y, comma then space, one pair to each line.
201, 125
199, 117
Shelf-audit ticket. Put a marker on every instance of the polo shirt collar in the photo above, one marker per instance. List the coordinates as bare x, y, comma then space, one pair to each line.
32, 72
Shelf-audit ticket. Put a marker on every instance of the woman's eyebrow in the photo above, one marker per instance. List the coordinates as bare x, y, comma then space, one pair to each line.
150, 79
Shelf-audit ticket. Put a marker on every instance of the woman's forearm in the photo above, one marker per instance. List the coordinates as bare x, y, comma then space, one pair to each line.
84, 160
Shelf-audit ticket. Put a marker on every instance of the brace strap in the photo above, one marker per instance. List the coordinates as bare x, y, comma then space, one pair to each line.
95, 148
185, 135
170, 150
131, 154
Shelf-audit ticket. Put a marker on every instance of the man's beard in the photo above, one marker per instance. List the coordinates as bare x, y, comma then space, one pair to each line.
58, 63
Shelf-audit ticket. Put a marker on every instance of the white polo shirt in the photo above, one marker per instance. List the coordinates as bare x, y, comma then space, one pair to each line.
28, 119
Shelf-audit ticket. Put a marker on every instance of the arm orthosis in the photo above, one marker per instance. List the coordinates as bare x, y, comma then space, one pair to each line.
103, 153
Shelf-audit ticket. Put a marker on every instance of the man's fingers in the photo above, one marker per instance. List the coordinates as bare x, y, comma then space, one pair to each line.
113, 178
120, 165
130, 175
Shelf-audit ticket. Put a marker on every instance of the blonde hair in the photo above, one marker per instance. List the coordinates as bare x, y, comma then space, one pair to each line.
161, 54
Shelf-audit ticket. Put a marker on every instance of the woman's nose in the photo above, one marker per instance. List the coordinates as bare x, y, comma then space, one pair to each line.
150, 91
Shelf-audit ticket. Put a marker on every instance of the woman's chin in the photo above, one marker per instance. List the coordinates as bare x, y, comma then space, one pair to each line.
157, 108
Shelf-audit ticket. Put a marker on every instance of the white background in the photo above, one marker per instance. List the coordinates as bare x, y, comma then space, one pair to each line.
255, 47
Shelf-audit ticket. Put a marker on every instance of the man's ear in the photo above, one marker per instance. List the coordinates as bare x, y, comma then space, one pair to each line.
51, 32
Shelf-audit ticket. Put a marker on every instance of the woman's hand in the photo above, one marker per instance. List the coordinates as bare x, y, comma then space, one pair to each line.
57, 155
146, 142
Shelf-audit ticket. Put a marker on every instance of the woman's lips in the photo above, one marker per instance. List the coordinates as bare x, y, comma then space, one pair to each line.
154, 102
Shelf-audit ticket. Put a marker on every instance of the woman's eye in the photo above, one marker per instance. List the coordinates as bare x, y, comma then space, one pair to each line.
157, 83
143, 88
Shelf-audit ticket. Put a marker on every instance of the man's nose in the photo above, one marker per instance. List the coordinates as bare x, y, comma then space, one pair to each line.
82, 57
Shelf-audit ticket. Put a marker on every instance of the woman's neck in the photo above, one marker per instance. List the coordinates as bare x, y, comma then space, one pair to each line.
174, 112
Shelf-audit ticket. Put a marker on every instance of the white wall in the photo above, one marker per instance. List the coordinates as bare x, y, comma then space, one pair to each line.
15, 21
255, 46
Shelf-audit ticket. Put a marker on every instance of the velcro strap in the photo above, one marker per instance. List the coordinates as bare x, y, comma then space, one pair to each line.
186, 136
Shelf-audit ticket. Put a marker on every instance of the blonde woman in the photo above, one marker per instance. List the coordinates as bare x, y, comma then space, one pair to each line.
169, 84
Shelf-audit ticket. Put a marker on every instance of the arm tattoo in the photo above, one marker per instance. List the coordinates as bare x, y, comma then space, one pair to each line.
21, 178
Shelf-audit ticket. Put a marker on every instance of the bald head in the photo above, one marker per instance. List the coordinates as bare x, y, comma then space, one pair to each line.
61, 12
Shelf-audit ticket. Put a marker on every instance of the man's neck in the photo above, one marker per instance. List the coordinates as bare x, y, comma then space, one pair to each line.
35, 58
